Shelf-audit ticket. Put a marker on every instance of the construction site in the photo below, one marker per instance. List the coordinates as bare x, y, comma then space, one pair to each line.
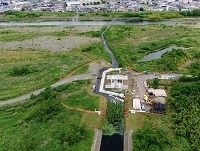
133, 89
142, 98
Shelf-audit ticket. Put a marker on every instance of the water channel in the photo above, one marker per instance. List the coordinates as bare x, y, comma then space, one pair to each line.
157, 54
90, 23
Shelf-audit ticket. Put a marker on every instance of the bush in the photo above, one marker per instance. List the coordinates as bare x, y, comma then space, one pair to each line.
20, 71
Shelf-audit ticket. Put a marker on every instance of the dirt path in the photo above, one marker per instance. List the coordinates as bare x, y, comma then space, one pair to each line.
71, 73
79, 109
186, 64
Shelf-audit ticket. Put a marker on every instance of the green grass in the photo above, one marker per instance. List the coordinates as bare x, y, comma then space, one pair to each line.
82, 100
14, 35
43, 124
36, 16
131, 16
83, 69
77, 95
44, 68
96, 49
23, 71
58, 33
131, 43
156, 133
91, 33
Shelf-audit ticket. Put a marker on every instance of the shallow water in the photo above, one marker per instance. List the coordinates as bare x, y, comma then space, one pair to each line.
158, 54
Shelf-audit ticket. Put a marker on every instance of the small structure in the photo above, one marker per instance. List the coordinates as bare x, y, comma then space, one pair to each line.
101, 87
117, 82
160, 99
157, 92
136, 104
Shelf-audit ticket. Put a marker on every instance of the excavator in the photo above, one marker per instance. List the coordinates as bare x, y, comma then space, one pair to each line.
149, 102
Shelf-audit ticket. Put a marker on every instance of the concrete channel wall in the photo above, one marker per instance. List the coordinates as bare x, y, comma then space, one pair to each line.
97, 140
101, 88
128, 141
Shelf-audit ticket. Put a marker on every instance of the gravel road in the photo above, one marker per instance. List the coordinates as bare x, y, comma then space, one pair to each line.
61, 82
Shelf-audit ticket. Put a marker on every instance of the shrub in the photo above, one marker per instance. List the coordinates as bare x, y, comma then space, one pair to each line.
19, 71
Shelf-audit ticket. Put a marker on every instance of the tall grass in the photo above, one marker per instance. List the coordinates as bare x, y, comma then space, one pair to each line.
131, 43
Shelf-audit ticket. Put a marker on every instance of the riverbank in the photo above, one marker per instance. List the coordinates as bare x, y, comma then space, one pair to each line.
96, 16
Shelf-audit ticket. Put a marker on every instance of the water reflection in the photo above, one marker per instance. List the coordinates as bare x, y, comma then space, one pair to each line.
88, 23
158, 54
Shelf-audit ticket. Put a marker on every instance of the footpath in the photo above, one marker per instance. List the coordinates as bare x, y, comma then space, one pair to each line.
37, 92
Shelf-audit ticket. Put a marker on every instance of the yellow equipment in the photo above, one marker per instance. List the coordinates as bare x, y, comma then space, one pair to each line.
149, 102
145, 98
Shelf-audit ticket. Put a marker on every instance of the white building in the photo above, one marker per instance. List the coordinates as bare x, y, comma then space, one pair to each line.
136, 104
157, 92
117, 82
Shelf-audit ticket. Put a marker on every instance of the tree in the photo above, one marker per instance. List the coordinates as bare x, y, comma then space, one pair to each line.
155, 83
141, 9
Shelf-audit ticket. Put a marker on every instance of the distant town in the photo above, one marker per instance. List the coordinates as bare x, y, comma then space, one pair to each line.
83, 6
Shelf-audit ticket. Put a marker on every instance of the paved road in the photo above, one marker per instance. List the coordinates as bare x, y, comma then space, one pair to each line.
61, 82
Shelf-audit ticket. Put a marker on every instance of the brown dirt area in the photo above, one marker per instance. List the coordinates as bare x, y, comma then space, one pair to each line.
51, 43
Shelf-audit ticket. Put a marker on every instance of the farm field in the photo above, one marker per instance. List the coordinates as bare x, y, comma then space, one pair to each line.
28, 67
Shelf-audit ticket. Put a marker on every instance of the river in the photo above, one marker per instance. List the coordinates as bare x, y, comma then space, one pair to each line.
90, 23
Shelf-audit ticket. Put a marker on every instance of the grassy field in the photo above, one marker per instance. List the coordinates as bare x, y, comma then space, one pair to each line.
42, 123
131, 43
25, 70
78, 94
41, 69
16, 35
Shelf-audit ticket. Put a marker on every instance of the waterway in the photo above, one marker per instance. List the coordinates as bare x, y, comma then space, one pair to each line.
157, 54
112, 143
90, 23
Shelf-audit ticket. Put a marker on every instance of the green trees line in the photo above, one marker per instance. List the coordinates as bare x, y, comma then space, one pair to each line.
114, 118
185, 99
